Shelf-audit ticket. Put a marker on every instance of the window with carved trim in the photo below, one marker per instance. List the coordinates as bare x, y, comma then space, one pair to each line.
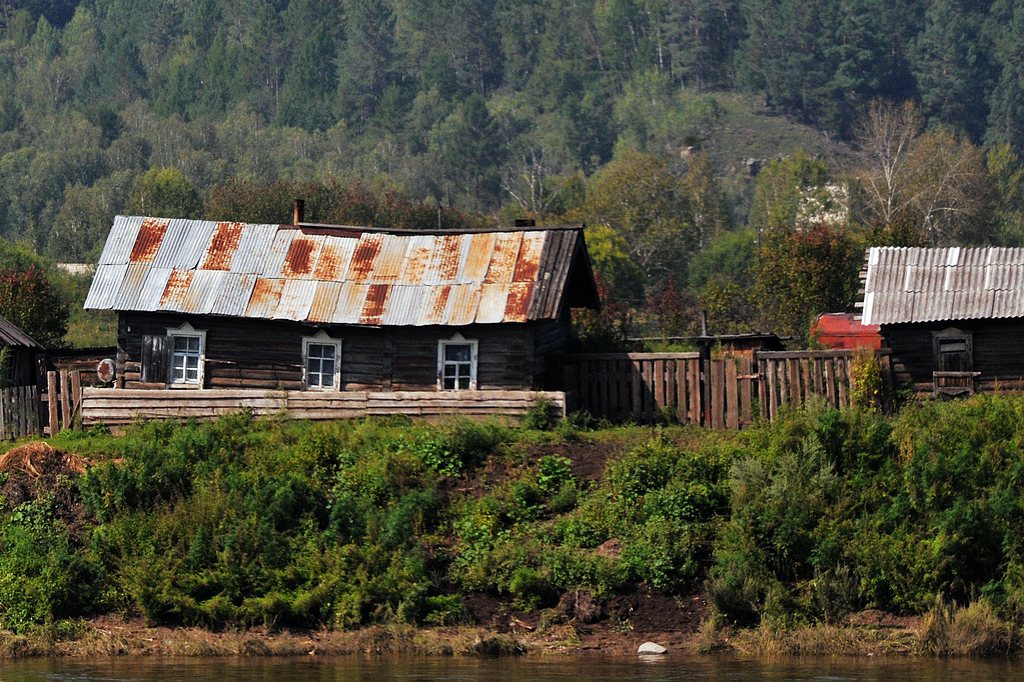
953, 350
321, 362
456, 364
186, 357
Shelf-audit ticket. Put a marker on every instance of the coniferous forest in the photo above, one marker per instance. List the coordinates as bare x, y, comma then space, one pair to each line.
693, 136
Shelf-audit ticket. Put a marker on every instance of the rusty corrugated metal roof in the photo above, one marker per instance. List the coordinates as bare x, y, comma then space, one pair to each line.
338, 276
930, 285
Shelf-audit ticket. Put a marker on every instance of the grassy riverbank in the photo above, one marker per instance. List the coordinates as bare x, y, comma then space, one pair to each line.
825, 532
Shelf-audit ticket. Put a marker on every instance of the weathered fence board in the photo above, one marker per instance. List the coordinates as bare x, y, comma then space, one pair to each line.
720, 393
19, 412
642, 387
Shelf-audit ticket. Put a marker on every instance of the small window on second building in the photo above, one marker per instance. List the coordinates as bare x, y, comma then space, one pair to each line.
953, 351
322, 362
457, 364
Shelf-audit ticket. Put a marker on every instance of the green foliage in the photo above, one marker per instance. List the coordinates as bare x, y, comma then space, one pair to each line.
785, 188
164, 192
45, 576
30, 301
866, 379
801, 274
245, 521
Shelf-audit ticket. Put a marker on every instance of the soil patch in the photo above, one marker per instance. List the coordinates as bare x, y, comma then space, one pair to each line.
588, 458
36, 469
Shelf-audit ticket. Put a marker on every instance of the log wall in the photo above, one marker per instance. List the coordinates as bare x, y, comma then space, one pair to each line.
267, 354
996, 353
118, 407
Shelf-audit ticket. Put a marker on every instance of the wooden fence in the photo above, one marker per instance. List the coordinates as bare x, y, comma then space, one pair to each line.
730, 392
19, 412
640, 387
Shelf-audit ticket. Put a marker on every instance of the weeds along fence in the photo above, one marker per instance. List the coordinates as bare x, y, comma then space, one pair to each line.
730, 392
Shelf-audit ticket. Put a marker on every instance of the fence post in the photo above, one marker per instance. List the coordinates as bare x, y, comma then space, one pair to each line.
76, 395
51, 397
65, 401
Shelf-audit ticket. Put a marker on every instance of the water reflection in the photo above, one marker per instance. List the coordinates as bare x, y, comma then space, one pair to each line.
595, 669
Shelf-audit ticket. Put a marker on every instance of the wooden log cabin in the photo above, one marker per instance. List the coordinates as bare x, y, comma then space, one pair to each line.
952, 317
329, 309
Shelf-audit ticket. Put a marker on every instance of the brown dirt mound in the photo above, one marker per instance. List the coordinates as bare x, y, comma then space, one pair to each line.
35, 469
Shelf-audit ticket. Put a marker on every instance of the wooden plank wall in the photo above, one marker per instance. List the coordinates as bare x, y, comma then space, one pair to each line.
118, 407
793, 377
639, 387
649, 388
19, 412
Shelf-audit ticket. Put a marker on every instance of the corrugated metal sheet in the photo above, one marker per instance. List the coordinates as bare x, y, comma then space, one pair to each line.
404, 307
491, 308
178, 282
302, 256
151, 234
223, 245
929, 285
233, 298
120, 241
203, 291
153, 289
131, 286
364, 257
252, 249
350, 303
266, 294
335, 277
277, 251
325, 301
106, 282
335, 256
296, 299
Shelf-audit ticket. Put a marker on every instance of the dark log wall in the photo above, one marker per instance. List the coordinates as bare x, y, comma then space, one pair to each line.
268, 354
552, 338
998, 356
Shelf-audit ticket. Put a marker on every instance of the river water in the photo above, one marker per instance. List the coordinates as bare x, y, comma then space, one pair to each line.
585, 668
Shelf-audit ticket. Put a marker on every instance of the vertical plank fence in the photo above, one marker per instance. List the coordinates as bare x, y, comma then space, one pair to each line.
639, 387
721, 393
63, 400
793, 377
733, 392
19, 412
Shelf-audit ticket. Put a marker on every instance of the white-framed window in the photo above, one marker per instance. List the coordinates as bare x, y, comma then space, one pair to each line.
456, 364
321, 362
186, 349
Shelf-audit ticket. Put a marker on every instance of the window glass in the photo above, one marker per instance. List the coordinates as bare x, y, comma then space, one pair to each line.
953, 355
457, 372
185, 354
321, 359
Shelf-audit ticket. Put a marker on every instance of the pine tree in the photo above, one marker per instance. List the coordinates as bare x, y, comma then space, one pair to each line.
1006, 118
952, 68
368, 58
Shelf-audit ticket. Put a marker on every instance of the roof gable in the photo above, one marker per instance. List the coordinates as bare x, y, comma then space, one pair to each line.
936, 284
341, 275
